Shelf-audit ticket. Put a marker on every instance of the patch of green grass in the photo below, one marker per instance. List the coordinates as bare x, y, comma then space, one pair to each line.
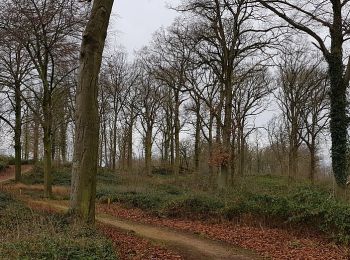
27, 234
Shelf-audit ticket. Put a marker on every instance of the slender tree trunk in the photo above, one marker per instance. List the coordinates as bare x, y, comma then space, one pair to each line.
210, 144
63, 141
47, 161
18, 130
233, 158
36, 139
312, 162
47, 140
241, 148
177, 134
130, 143
167, 137
26, 141
114, 145
105, 145
197, 139
148, 151
293, 151
83, 190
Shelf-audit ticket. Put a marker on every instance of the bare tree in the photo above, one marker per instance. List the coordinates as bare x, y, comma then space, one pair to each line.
326, 23
46, 30
226, 37
14, 70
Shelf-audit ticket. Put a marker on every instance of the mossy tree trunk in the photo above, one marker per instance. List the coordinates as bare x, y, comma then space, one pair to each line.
83, 189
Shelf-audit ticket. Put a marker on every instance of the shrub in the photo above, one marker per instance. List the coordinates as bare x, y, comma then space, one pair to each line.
60, 176
162, 170
193, 206
4, 162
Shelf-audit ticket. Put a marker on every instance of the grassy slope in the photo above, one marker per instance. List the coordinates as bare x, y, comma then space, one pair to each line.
264, 197
27, 234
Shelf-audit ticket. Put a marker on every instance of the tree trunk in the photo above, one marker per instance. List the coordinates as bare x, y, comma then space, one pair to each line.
47, 161
26, 141
197, 139
114, 145
36, 139
312, 162
47, 140
83, 189
177, 134
18, 130
241, 151
148, 151
63, 141
233, 158
130, 140
338, 115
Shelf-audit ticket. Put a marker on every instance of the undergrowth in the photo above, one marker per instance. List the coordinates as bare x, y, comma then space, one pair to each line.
27, 234
263, 197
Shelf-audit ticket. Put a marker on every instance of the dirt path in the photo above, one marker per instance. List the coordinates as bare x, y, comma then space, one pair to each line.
190, 246
9, 173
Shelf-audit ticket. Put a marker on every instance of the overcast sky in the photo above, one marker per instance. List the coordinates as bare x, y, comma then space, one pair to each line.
134, 21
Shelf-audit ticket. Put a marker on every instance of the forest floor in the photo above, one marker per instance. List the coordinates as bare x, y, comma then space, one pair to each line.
139, 234
190, 246
134, 239
9, 172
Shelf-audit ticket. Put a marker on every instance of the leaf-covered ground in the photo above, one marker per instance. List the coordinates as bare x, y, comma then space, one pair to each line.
132, 247
268, 242
128, 245
8, 173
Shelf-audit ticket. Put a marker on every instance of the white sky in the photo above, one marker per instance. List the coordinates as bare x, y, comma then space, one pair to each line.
134, 21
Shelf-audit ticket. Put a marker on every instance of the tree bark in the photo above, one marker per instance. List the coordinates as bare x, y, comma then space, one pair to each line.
36, 139
83, 189
338, 116
130, 142
197, 138
177, 133
18, 131
312, 162
47, 140
148, 151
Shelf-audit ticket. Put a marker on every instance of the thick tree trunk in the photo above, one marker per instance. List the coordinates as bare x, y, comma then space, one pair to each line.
83, 189
226, 144
338, 116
